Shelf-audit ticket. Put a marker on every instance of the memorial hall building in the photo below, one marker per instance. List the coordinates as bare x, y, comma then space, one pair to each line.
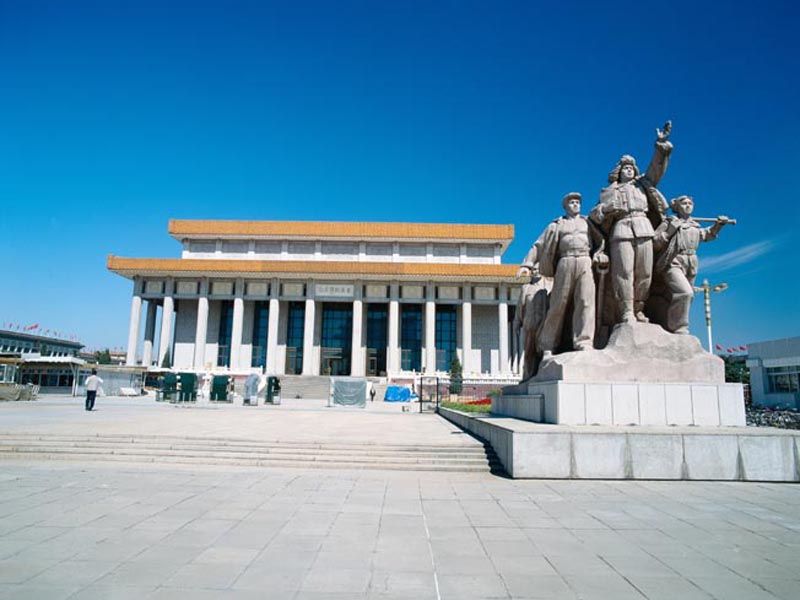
390, 300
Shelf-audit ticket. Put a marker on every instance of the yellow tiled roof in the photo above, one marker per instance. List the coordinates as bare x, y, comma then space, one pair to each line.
135, 266
352, 230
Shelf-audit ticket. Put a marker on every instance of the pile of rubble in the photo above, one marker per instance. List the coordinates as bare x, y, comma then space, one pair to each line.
765, 417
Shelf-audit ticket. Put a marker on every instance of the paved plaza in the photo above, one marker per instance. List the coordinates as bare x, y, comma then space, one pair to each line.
124, 530
293, 420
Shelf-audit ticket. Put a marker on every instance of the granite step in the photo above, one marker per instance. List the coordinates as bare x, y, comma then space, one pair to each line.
152, 449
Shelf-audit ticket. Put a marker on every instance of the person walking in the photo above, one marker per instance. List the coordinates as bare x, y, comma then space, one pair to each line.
92, 383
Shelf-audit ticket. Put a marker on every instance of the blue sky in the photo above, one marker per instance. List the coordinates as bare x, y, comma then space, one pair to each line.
116, 116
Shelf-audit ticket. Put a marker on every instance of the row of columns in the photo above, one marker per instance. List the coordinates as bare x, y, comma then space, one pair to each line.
358, 356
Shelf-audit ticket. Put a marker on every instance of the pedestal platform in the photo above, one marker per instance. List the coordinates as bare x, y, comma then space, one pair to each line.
535, 450
644, 376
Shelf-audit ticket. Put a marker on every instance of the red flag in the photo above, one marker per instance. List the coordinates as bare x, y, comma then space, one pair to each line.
731, 350
719, 347
743, 348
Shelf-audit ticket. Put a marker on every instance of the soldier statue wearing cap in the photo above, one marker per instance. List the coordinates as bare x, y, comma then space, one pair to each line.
675, 242
566, 251
628, 210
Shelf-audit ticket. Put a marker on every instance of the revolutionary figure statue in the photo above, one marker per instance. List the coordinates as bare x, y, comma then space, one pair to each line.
565, 251
628, 210
675, 242
529, 316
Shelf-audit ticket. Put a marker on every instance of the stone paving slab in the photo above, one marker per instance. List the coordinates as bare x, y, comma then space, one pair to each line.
161, 532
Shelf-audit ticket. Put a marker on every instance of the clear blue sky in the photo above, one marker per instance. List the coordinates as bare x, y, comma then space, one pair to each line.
116, 116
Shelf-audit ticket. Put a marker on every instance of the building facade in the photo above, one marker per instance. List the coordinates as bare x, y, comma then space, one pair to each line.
16, 343
48, 362
326, 298
775, 372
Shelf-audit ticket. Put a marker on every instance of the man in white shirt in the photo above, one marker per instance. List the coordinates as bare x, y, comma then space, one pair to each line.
92, 383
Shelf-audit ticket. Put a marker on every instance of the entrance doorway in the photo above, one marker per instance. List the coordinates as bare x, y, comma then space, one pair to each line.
377, 327
337, 335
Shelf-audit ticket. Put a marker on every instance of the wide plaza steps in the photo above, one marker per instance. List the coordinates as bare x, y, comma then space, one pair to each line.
254, 453
305, 386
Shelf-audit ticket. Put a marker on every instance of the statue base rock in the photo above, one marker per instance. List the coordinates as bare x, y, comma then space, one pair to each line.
638, 352
644, 376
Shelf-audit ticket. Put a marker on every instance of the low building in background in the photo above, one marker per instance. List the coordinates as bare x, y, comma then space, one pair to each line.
51, 363
58, 366
775, 373
17, 343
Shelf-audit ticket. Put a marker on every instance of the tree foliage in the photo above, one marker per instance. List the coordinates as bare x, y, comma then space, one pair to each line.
736, 370
456, 376
103, 357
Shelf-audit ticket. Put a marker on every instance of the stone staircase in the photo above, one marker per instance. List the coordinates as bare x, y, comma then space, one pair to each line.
243, 452
380, 385
305, 386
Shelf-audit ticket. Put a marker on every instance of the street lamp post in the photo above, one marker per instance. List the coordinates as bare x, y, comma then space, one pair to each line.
707, 288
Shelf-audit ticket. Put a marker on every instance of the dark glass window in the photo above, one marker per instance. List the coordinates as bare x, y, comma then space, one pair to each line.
783, 380
377, 328
445, 336
337, 335
294, 338
225, 331
411, 337
260, 332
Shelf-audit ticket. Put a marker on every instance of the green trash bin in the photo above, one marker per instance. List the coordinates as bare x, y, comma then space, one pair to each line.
273, 390
187, 391
219, 388
169, 387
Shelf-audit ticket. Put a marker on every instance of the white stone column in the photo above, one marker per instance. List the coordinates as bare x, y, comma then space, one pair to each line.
272, 333
430, 329
393, 338
308, 335
236, 325
466, 329
133, 329
201, 328
358, 366
149, 333
167, 310
502, 322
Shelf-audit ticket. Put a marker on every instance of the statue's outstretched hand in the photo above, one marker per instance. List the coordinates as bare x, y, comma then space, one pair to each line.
523, 272
663, 134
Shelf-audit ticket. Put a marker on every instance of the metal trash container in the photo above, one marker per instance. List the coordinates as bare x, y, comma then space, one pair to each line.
169, 387
219, 388
188, 387
273, 390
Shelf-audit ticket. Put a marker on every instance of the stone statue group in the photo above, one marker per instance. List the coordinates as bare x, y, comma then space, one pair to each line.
649, 258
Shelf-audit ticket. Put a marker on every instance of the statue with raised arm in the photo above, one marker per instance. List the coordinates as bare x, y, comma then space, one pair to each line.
628, 211
566, 251
675, 243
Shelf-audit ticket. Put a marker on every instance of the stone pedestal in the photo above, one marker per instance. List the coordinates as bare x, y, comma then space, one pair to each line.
644, 376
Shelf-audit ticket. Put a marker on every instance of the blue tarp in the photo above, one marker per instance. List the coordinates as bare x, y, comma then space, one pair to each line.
398, 393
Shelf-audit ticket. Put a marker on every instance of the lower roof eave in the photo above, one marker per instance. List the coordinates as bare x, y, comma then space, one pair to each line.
318, 276
316, 270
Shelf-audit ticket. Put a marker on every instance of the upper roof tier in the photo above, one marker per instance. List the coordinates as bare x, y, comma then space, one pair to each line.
331, 230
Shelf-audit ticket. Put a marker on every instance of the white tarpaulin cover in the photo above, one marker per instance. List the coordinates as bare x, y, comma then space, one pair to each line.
349, 392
